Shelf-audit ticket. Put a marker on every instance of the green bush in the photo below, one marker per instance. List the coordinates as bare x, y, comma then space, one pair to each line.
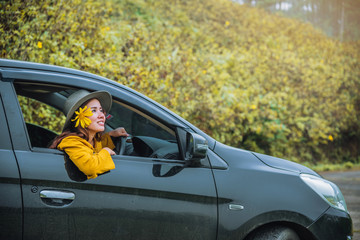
250, 79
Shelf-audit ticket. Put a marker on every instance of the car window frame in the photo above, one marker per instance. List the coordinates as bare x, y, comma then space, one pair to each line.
169, 129
5, 142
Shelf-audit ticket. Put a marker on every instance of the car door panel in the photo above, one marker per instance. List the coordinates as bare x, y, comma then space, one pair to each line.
132, 201
179, 205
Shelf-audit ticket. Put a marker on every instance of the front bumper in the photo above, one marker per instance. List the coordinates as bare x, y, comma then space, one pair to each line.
333, 224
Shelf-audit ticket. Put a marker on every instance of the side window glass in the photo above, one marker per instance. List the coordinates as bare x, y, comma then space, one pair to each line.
138, 123
41, 114
43, 122
150, 137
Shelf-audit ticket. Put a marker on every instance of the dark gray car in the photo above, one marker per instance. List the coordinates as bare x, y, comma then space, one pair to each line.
171, 180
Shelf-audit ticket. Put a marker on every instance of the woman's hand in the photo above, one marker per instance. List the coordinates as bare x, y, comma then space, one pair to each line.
118, 132
110, 151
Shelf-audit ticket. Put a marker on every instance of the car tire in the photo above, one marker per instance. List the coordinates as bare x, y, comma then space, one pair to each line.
275, 233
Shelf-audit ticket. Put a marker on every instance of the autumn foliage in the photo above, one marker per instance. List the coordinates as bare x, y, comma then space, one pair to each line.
248, 78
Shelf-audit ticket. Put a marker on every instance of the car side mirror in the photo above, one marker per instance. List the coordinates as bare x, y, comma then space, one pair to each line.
196, 147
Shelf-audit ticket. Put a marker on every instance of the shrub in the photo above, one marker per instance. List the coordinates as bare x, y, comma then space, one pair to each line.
250, 79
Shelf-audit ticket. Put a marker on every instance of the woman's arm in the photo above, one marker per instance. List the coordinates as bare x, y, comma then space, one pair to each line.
118, 132
83, 156
106, 140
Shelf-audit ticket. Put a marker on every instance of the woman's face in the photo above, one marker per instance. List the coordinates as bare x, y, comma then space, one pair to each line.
98, 117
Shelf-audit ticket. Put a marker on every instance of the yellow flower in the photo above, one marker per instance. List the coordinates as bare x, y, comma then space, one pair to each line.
331, 138
39, 44
253, 107
82, 117
227, 23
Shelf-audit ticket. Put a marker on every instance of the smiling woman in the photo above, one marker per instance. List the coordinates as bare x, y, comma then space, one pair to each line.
82, 139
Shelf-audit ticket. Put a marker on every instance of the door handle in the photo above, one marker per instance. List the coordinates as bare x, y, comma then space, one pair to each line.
57, 198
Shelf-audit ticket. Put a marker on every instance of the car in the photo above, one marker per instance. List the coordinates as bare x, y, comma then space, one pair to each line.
171, 181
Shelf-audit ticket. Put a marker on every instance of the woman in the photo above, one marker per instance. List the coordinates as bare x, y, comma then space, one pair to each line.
82, 138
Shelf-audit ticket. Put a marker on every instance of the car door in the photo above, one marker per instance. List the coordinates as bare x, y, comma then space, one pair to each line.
143, 198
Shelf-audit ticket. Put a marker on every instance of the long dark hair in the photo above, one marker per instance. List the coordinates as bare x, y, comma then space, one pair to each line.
74, 131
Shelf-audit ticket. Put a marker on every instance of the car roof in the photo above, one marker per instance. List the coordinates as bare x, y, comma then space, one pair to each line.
8, 63
17, 64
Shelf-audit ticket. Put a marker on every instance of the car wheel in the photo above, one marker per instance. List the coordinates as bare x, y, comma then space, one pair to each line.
275, 233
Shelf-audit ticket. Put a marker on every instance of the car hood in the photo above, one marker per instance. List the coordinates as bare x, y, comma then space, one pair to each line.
229, 154
284, 164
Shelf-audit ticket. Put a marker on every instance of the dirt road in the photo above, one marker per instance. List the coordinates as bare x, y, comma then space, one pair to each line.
349, 184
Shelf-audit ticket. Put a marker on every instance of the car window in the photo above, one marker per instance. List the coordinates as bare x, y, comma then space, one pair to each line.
41, 106
43, 121
40, 114
151, 138
138, 123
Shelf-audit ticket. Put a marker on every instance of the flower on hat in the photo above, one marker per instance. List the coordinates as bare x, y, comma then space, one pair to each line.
82, 117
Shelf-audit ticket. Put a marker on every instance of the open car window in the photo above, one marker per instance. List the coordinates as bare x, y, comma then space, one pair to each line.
41, 105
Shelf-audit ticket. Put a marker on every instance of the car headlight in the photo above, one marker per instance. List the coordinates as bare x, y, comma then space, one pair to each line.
327, 190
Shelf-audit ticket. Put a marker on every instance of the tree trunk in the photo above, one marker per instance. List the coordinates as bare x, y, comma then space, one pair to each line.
342, 21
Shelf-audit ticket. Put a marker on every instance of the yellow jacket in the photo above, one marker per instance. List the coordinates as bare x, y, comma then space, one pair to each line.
91, 161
